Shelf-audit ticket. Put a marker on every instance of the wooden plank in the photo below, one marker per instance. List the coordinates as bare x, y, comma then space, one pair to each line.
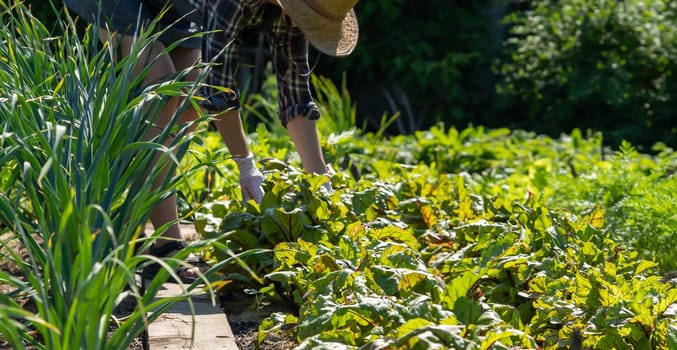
173, 329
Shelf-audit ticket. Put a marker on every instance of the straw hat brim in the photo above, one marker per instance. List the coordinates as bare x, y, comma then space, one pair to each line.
334, 38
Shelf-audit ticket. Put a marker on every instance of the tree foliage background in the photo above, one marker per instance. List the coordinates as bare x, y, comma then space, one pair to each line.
544, 65
604, 64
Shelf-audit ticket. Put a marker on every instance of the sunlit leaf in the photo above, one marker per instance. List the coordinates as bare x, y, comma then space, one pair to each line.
644, 265
282, 225
672, 337
275, 322
459, 288
412, 325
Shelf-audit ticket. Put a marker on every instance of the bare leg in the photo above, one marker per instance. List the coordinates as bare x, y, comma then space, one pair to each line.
303, 133
165, 65
229, 125
167, 211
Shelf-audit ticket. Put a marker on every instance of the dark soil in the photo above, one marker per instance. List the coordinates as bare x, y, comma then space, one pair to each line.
244, 316
125, 308
243, 312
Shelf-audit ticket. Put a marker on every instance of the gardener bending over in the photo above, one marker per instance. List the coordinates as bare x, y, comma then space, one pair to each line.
329, 25
123, 17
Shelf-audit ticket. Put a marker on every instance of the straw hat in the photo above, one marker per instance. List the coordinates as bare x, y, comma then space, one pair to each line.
329, 25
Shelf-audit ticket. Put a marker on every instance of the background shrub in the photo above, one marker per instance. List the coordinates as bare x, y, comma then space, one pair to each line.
604, 64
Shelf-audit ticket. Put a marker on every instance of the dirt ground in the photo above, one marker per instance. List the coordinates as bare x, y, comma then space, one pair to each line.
245, 316
10, 267
241, 310
7, 265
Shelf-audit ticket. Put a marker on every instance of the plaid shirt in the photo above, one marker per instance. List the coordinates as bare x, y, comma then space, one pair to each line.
226, 21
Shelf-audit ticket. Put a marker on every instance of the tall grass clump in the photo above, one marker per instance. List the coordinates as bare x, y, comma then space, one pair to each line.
635, 192
336, 106
75, 183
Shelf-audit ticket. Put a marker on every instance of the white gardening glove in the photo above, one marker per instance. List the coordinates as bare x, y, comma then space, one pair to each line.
250, 178
326, 189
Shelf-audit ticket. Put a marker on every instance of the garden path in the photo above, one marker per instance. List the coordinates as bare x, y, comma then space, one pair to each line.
204, 327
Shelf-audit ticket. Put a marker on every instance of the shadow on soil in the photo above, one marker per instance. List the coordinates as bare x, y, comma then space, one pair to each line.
245, 314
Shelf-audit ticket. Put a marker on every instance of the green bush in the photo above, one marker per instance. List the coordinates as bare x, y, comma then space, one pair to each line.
606, 65
610, 62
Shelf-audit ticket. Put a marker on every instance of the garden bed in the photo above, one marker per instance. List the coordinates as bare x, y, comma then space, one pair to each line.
245, 316
7, 265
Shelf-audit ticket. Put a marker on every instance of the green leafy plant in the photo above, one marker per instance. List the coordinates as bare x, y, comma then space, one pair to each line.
336, 107
473, 238
634, 191
75, 186
459, 270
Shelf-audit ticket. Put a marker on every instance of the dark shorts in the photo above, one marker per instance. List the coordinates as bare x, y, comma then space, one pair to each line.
125, 16
226, 22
